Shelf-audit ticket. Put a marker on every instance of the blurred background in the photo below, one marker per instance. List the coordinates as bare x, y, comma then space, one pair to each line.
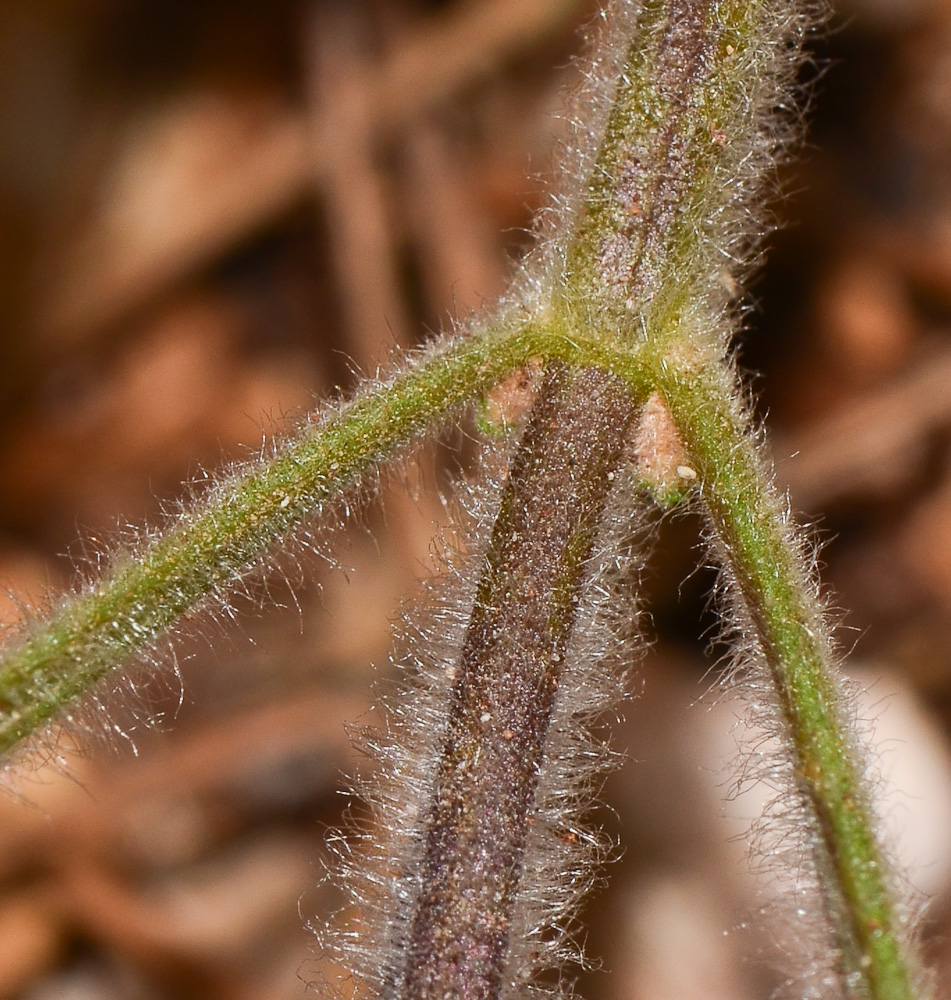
214, 212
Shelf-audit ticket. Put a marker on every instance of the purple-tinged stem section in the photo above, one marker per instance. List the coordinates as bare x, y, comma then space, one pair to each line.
505, 688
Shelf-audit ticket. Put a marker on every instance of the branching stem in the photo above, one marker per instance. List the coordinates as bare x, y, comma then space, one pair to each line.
635, 293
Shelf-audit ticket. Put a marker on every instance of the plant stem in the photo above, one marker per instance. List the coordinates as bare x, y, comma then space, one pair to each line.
636, 291
765, 570
666, 223
682, 154
503, 696
210, 549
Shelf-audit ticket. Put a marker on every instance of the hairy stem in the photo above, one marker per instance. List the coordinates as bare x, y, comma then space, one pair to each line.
765, 570
651, 158
634, 288
660, 231
507, 681
208, 550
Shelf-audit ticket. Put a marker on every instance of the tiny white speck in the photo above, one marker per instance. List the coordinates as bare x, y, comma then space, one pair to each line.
610, 477
485, 717
685, 472
286, 502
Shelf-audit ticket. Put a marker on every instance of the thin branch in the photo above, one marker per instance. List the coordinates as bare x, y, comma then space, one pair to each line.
207, 551
777, 602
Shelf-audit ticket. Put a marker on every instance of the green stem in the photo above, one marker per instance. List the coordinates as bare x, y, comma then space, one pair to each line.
766, 571
659, 229
212, 548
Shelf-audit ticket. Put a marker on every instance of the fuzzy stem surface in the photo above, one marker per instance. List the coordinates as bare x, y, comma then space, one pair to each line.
507, 681
208, 550
661, 235
648, 262
766, 570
